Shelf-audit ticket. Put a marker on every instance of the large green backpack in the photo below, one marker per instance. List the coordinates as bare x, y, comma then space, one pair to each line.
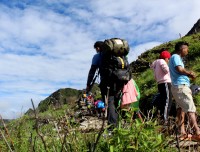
115, 65
116, 46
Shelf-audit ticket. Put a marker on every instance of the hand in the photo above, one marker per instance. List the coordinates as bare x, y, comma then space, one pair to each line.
192, 75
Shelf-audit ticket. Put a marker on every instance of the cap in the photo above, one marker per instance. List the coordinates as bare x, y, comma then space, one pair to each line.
165, 54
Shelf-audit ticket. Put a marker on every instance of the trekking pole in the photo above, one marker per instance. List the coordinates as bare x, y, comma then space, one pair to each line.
106, 100
177, 140
93, 81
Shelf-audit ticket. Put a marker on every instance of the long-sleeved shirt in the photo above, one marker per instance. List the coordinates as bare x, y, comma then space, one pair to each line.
161, 71
96, 63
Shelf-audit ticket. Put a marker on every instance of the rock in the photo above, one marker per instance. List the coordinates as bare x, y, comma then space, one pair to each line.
92, 123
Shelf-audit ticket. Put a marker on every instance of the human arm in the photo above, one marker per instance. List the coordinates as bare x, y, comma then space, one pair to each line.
165, 68
91, 76
95, 65
182, 70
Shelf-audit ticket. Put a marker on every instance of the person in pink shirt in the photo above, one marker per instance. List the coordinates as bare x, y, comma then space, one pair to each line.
162, 77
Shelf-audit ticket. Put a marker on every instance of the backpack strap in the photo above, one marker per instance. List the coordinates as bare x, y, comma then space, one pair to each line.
122, 61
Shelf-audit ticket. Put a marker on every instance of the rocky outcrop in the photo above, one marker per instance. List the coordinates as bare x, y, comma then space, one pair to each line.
195, 29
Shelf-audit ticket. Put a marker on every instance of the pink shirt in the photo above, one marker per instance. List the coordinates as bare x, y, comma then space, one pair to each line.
161, 71
129, 93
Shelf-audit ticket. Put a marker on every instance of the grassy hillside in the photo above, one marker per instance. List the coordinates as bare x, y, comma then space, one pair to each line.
145, 79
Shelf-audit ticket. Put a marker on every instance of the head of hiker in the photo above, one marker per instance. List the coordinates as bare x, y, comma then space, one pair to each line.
98, 46
181, 48
165, 55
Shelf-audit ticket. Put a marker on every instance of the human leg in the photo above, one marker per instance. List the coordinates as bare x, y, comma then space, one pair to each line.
165, 100
184, 100
180, 118
194, 125
168, 104
193, 122
112, 112
161, 103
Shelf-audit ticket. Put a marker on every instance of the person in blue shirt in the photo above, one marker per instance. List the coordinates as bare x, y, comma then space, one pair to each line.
110, 90
99, 107
96, 64
181, 90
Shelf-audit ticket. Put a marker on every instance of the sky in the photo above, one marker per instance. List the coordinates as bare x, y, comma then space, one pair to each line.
46, 45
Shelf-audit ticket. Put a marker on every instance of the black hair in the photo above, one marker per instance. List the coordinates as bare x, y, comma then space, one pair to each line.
98, 44
179, 45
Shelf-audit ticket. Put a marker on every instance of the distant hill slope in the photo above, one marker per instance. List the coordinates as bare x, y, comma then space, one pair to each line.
58, 98
61, 97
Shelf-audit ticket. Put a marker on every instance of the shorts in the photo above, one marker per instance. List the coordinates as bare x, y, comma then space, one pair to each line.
183, 97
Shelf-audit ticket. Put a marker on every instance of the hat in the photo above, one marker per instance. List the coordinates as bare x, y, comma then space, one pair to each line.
165, 54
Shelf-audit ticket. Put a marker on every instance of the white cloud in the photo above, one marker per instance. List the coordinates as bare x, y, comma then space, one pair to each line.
47, 45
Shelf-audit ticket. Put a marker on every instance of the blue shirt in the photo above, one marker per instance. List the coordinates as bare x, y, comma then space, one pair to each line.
96, 60
176, 77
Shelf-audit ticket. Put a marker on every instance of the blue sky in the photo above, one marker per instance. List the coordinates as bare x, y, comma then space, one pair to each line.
46, 45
